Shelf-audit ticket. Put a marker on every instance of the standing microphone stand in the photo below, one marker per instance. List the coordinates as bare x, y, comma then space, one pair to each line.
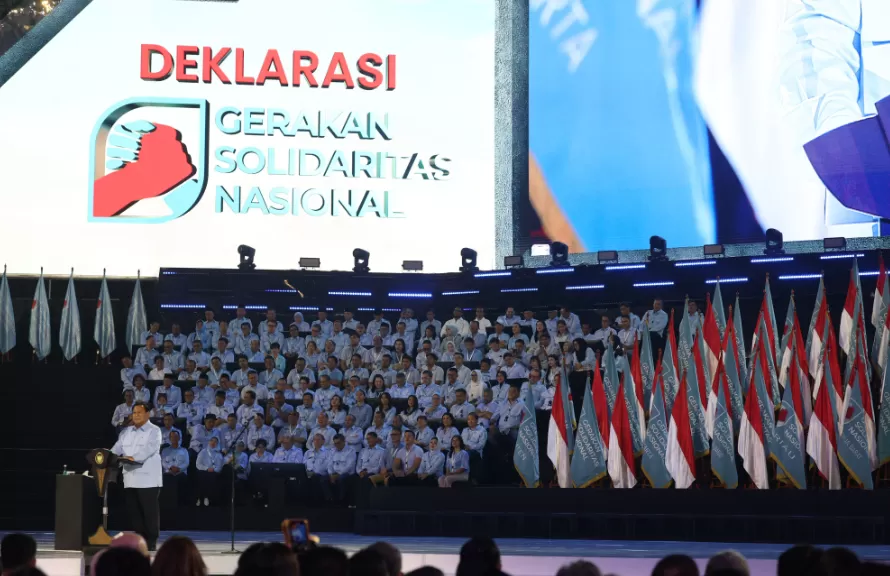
234, 465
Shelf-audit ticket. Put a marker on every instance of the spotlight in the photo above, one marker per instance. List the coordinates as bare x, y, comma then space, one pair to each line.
774, 243
310, 262
412, 265
361, 261
607, 256
246, 253
513, 262
657, 249
559, 254
468, 260
838, 243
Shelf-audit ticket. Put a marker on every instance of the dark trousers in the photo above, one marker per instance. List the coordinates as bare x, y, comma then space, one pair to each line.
403, 480
207, 485
145, 516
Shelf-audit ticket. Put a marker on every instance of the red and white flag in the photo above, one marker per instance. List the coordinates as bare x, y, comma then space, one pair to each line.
601, 407
557, 439
680, 454
822, 436
701, 376
883, 351
796, 348
751, 442
711, 334
846, 335
622, 468
880, 297
817, 343
859, 378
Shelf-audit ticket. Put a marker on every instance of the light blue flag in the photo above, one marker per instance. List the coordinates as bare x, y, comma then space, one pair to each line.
767, 414
525, 454
655, 455
137, 321
569, 410
772, 377
881, 316
820, 294
735, 381
790, 453
696, 411
669, 374
69, 331
723, 443
7, 317
884, 421
719, 312
104, 329
610, 377
684, 343
786, 331
589, 459
39, 334
647, 365
633, 414
740, 340
852, 442
772, 319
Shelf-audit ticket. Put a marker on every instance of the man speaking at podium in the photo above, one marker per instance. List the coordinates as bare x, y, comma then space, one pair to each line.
138, 447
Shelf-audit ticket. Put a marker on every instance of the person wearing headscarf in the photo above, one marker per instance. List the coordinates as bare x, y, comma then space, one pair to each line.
476, 387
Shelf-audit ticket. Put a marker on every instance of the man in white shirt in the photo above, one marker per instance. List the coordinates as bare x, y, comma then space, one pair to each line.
347, 352
129, 370
145, 356
269, 337
287, 453
294, 345
139, 446
154, 332
538, 389
573, 324
240, 318
270, 375
605, 333
693, 317
253, 385
298, 371
624, 312
457, 322
657, 319
430, 321
249, 409
174, 394
627, 335
513, 368
178, 338
271, 318
258, 429
322, 428
461, 408
173, 361
406, 462
508, 319
123, 412
191, 411
484, 323
374, 325
528, 319
243, 340
551, 321
325, 392
201, 358
255, 355
157, 373
222, 351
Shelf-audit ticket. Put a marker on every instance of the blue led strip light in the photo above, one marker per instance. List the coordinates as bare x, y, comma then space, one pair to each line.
652, 284
738, 280
587, 287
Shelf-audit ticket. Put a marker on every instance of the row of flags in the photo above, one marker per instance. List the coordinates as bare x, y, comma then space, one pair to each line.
70, 338
786, 403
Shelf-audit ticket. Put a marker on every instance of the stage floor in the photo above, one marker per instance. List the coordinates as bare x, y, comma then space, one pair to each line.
520, 557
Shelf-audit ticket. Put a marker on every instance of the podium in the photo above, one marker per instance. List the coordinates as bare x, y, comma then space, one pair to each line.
78, 511
82, 503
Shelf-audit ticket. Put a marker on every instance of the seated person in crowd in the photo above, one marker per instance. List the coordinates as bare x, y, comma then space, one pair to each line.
260, 431
353, 434
223, 353
323, 428
167, 428
233, 394
178, 339
461, 408
308, 411
271, 336
337, 413
324, 392
538, 388
372, 458
295, 429
276, 414
447, 430
513, 368
457, 464
476, 386
427, 389
261, 454
356, 369
287, 453
249, 409
201, 358
411, 412
175, 458
201, 435
301, 324
423, 434
406, 462
204, 393
294, 345
145, 356
140, 392
340, 467
123, 413
157, 373
209, 464
240, 377
254, 354
500, 387
318, 458
412, 377
432, 465
153, 331
271, 374
253, 385
242, 461
191, 371
500, 335
384, 405
300, 370
401, 389
361, 410
161, 408
474, 435
230, 432
282, 386
488, 409
435, 411
191, 411
172, 393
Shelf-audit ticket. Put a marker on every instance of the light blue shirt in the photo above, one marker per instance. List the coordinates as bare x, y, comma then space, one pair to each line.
268, 379
242, 343
425, 394
327, 327
342, 462
292, 456
144, 356
423, 437
474, 438
179, 340
208, 459
323, 397
354, 437
266, 457
265, 432
461, 411
371, 460
510, 416
445, 435
363, 415
143, 444
657, 321
174, 395
201, 437
178, 457
224, 357
432, 463
267, 340
317, 461
455, 462
243, 462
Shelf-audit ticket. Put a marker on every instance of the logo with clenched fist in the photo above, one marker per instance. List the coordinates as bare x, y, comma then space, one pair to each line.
142, 169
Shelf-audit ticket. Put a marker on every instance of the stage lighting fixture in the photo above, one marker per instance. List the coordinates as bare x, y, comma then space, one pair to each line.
657, 249
246, 253
714, 250
839, 243
774, 243
513, 262
412, 265
310, 262
559, 254
468, 260
361, 261
607, 256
